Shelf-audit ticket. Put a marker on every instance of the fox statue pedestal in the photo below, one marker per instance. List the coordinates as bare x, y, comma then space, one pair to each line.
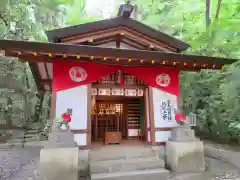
184, 152
59, 157
59, 164
60, 139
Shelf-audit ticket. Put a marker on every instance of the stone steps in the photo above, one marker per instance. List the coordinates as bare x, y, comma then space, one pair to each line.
148, 174
106, 154
115, 163
125, 165
29, 136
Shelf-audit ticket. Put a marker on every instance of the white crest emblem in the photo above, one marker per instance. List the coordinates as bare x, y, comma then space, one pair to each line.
163, 80
77, 74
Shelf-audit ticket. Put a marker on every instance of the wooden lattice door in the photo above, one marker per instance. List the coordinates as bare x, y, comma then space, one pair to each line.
108, 117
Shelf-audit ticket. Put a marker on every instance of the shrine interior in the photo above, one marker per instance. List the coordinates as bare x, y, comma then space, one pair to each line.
118, 111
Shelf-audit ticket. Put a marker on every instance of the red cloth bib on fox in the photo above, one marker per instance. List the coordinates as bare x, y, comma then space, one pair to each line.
66, 117
179, 116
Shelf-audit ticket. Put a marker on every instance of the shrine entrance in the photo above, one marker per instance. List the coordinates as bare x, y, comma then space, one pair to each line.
118, 111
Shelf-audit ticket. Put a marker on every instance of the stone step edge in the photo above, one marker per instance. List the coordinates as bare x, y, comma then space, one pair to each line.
147, 159
121, 158
130, 173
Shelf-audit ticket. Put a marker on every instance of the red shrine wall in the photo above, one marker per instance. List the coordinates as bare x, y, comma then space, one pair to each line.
70, 80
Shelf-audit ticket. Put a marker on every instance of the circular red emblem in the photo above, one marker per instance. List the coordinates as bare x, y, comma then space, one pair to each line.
77, 74
163, 80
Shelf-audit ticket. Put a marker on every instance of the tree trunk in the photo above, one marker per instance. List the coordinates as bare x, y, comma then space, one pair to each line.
207, 13
218, 10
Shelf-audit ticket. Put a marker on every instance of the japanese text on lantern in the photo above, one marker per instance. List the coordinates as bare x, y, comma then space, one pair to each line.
166, 110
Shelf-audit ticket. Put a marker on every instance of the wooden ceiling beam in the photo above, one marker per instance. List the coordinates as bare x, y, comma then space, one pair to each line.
135, 41
46, 69
133, 45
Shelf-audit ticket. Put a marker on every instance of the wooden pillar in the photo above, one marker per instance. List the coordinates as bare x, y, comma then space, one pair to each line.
146, 113
179, 108
151, 116
94, 120
89, 121
53, 105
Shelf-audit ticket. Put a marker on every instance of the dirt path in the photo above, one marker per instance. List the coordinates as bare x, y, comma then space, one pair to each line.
222, 146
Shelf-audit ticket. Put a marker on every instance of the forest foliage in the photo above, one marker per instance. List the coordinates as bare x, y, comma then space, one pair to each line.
21, 103
211, 27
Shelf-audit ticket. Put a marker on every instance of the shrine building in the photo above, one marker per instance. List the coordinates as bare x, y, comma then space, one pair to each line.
119, 77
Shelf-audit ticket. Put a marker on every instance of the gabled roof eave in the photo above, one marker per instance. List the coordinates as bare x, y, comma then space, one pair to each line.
58, 34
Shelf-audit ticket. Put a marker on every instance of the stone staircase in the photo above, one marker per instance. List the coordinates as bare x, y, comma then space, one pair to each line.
29, 136
135, 163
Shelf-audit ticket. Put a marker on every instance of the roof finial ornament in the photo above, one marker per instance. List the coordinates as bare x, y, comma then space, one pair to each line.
125, 10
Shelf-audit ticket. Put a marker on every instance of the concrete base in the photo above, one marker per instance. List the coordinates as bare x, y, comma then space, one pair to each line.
59, 164
185, 156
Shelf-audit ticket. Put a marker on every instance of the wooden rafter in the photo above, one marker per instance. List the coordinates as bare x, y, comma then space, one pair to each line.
36, 75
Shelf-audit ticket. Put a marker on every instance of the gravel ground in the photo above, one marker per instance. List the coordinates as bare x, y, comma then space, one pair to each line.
21, 164
16, 162
206, 176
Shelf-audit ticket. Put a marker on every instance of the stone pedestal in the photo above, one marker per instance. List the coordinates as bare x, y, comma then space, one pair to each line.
185, 156
182, 133
59, 158
59, 164
64, 139
184, 153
